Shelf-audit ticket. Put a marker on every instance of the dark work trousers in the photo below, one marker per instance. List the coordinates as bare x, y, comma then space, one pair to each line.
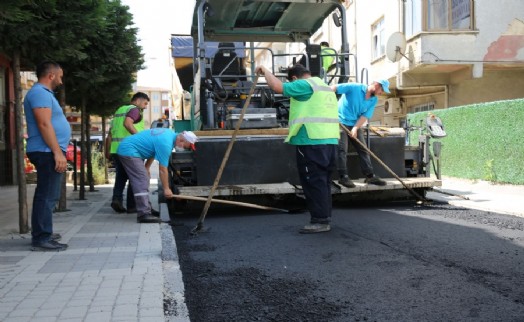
315, 163
139, 181
120, 183
363, 155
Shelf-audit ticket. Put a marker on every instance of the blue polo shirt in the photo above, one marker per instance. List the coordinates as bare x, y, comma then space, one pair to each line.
301, 91
353, 103
155, 143
40, 96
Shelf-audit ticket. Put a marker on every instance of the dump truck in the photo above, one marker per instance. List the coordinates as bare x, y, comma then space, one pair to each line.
216, 65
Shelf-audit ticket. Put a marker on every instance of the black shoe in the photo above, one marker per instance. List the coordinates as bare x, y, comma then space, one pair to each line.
55, 237
131, 210
155, 213
375, 180
117, 206
148, 219
346, 182
48, 246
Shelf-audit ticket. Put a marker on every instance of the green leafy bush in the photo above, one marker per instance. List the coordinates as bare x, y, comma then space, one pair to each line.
484, 141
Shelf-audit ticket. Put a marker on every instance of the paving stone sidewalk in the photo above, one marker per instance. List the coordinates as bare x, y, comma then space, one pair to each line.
112, 271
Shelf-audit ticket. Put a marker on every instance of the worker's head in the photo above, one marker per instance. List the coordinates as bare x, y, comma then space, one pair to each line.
324, 44
298, 72
185, 140
140, 100
379, 86
50, 74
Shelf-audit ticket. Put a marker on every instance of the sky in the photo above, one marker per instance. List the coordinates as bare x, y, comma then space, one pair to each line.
156, 20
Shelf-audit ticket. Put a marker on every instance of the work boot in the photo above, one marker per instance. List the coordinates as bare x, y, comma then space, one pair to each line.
346, 182
55, 237
148, 219
375, 180
117, 206
155, 213
315, 228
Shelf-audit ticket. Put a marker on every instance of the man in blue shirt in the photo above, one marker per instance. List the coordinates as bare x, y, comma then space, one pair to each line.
355, 108
156, 143
48, 136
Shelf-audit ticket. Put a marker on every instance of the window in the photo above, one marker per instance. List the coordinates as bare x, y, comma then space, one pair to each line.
377, 41
412, 17
439, 15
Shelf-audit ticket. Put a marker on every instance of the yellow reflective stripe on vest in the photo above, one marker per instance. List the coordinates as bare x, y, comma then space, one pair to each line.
314, 120
319, 88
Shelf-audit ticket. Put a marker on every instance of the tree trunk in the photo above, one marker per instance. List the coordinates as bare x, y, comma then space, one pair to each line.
22, 187
82, 192
62, 202
90, 179
106, 174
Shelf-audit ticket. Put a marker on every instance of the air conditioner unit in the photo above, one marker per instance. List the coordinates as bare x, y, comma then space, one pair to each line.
392, 106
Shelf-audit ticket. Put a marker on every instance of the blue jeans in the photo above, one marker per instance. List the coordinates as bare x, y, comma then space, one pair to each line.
46, 196
121, 179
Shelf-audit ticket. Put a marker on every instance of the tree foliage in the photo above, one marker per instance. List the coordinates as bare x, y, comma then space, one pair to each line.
103, 80
94, 40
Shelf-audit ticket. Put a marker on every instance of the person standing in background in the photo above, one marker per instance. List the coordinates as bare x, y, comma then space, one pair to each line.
48, 136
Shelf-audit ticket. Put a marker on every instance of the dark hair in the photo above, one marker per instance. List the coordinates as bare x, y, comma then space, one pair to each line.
139, 95
324, 43
45, 68
298, 71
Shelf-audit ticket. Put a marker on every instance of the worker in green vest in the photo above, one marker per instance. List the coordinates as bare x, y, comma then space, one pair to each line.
313, 130
128, 120
327, 55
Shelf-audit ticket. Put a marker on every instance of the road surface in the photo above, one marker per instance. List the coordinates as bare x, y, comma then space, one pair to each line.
392, 262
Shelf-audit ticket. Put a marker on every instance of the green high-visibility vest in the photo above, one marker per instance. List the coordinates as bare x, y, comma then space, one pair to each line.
319, 114
118, 130
327, 60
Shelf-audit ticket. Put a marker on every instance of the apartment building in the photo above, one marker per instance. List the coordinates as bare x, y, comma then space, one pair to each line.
160, 101
456, 52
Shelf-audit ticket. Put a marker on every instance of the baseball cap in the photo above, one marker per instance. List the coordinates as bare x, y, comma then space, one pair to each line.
385, 85
190, 137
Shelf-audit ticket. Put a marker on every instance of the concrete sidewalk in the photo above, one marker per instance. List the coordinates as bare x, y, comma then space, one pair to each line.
482, 195
113, 270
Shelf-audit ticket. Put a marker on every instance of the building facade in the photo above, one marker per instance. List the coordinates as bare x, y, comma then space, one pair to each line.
456, 52
160, 104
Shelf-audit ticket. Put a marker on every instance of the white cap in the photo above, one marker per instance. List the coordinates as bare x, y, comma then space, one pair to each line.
190, 137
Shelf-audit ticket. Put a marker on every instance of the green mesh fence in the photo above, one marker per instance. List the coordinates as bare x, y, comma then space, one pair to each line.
484, 141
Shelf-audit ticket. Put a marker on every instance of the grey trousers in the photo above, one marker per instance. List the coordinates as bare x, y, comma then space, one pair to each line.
365, 160
139, 179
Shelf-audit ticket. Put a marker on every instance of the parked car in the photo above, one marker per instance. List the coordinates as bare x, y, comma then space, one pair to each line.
70, 156
28, 166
